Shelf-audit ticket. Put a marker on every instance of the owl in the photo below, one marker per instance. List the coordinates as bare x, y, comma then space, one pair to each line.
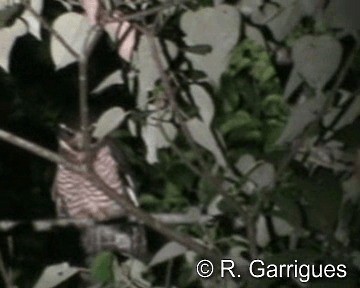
76, 197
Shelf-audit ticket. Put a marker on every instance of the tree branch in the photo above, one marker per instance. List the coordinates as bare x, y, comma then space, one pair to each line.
88, 48
37, 150
132, 210
49, 224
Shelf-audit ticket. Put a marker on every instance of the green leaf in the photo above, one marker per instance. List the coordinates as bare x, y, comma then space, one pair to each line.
323, 194
102, 268
241, 127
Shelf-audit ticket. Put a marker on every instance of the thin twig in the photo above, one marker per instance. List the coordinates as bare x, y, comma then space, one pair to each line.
169, 269
251, 234
6, 277
89, 45
142, 14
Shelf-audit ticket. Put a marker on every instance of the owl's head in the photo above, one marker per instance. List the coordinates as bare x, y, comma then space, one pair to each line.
71, 143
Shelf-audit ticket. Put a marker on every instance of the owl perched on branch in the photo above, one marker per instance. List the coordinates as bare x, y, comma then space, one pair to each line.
77, 197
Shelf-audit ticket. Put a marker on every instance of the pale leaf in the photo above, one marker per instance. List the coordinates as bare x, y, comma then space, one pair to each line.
262, 233
263, 176
317, 58
202, 135
168, 252
287, 17
204, 103
54, 275
108, 122
292, 84
113, 79
8, 37
245, 163
153, 134
74, 29
148, 70
34, 25
218, 27
126, 35
301, 116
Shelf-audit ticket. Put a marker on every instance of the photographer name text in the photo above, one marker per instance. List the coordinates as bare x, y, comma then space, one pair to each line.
260, 269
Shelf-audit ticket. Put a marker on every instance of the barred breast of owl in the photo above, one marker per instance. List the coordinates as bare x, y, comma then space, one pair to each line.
77, 197
82, 199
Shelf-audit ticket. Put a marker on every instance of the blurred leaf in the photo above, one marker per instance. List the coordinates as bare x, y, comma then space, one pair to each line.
54, 275
293, 83
101, 268
274, 106
8, 13
8, 37
240, 121
289, 210
108, 122
248, 7
216, 27
288, 16
301, 116
317, 58
267, 12
153, 134
203, 102
322, 194
202, 135
112, 79
33, 24
148, 71
254, 34
343, 14
350, 114
124, 34
74, 29
263, 176
167, 252
130, 273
